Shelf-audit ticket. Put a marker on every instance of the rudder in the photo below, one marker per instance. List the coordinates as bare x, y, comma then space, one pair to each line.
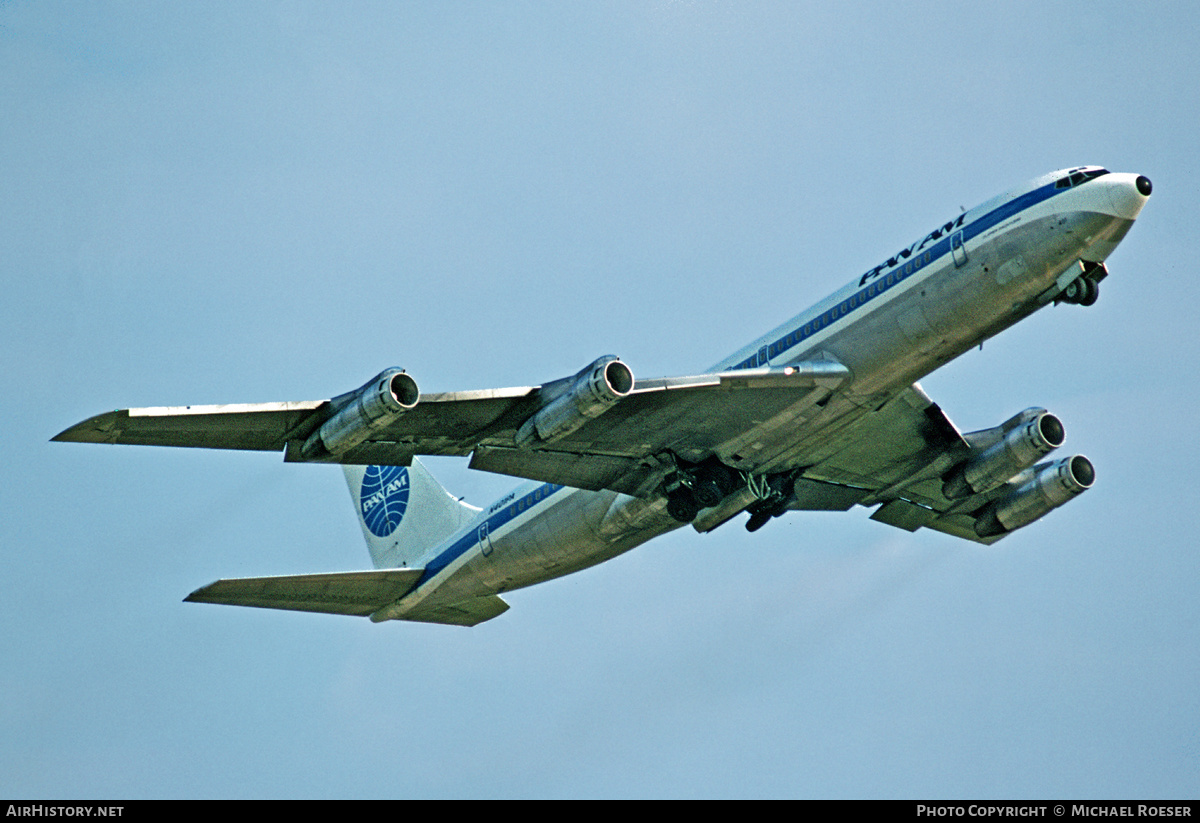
403, 512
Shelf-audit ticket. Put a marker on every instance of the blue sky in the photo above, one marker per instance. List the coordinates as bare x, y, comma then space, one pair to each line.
255, 202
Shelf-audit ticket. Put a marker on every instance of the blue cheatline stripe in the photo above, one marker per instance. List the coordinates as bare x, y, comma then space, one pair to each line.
899, 273
494, 522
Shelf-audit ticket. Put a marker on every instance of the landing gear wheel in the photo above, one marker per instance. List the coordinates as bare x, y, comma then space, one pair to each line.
757, 521
1081, 291
712, 485
1073, 293
682, 506
1091, 291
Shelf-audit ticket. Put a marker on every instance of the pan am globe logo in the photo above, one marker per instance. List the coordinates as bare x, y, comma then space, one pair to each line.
384, 498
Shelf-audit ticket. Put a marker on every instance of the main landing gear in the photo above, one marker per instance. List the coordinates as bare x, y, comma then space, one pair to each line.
701, 486
1085, 289
705, 485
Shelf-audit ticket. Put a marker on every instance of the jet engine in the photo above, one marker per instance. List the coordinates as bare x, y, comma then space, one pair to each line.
384, 398
590, 393
1027, 437
1037, 491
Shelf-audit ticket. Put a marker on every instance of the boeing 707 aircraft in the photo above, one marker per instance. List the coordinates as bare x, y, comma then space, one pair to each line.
821, 413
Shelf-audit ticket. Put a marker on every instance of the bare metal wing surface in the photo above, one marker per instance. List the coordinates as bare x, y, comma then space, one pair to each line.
894, 455
692, 417
254, 426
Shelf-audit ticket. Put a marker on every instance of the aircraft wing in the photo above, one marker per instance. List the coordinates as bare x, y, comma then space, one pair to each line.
619, 449
900, 457
256, 426
765, 422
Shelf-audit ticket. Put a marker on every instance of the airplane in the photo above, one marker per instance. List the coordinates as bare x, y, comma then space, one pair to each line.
820, 414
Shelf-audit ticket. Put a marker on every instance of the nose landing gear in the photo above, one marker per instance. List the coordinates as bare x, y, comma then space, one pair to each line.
1084, 290
1081, 291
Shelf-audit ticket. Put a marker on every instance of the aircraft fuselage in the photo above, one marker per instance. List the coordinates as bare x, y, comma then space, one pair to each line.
959, 284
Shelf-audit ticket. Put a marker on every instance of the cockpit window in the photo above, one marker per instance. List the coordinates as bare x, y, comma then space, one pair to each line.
1078, 176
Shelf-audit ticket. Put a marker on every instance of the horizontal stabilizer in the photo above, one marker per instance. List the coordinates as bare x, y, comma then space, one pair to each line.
357, 593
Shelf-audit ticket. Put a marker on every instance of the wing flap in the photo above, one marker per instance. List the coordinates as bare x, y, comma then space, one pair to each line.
904, 515
895, 444
813, 495
961, 525
591, 471
463, 613
354, 593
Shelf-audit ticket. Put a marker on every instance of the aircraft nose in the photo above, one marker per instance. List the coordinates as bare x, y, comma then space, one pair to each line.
1129, 193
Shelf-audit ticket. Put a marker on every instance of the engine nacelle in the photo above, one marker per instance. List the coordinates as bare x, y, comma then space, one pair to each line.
592, 392
384, 398
1047, 487
1028, 436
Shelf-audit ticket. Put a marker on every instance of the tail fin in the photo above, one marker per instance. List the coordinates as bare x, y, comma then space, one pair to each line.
403, 512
